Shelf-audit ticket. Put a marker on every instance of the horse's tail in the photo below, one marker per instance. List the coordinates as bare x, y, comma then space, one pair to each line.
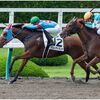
87, 74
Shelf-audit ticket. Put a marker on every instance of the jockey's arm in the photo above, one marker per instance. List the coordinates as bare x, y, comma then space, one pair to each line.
30, 26
97, 20
90, 25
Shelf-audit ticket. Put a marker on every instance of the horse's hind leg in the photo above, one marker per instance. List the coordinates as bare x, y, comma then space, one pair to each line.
96, 68
91, 63
20, 69
82, 65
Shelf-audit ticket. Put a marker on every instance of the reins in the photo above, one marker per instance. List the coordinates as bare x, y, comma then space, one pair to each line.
14, 35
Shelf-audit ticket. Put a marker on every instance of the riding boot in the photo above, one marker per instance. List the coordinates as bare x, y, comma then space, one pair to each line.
49, 37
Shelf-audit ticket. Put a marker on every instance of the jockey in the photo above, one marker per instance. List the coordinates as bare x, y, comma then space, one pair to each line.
92, 20
51, 27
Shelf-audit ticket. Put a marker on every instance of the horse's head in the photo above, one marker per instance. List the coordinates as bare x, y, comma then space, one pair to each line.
72, 27
6, 35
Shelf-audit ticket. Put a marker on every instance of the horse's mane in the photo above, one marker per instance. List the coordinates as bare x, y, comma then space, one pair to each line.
94, 31
18, 25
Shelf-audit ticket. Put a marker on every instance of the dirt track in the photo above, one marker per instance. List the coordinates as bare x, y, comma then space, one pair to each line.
58, 88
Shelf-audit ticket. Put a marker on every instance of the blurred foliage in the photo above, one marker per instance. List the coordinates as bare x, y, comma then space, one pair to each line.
30, 69
49, 4
54, 61
25, 16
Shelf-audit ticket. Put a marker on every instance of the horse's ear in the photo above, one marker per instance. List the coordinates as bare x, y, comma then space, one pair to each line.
9, 26
72, 20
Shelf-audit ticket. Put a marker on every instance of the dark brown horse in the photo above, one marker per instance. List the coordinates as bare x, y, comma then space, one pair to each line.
34, 46
90, 42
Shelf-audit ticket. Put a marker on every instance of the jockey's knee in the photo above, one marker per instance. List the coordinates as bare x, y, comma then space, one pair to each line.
98, 31
53, 31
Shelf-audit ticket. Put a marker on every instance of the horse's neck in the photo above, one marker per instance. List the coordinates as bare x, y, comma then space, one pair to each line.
85, 35
25, 35
72, 45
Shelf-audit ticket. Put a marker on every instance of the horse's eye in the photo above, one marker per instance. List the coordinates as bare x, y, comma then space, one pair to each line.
4, 34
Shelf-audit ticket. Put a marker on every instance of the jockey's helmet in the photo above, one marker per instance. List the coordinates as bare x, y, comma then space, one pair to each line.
34, 20
87, 15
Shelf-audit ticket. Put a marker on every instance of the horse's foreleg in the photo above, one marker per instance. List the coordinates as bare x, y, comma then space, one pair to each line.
20, 69
13, 61
91, 63
16, 58
23, 56
81, 62
72, 71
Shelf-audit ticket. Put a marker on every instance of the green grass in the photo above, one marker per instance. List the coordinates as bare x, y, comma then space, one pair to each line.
53, 71
64, 71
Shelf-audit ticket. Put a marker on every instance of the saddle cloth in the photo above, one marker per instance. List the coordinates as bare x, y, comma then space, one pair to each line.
59, 43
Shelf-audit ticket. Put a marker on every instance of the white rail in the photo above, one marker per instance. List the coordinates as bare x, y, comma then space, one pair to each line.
60, 12
15, 43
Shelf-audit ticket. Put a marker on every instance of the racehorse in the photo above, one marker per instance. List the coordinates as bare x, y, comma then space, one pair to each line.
34, 46
90, 41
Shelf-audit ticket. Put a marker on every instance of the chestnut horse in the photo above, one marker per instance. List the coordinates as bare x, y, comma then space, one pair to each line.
90, 42
34, 46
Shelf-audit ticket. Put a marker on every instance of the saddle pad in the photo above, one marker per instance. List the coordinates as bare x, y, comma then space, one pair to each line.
59, 44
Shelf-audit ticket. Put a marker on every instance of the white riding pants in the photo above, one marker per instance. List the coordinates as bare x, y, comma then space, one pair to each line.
98, 27
56, 30
98, 31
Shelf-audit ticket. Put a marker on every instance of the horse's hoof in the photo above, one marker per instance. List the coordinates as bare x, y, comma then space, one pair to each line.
9, 82
73, 78
86, 80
